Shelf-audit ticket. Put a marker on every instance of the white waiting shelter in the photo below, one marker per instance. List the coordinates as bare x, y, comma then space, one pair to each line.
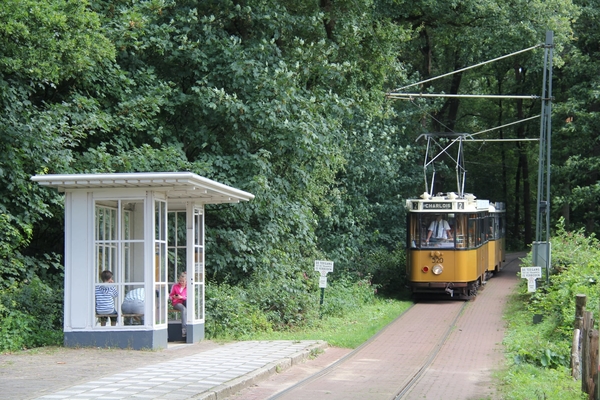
146, 229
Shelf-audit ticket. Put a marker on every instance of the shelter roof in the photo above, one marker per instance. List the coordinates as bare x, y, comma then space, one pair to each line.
177, 185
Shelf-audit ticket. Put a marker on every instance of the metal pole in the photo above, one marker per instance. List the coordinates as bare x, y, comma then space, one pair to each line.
543, 194
550, 45
321, 303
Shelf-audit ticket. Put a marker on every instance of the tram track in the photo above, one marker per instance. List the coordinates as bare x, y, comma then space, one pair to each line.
331, 367
415, 378
433, 346
426, 325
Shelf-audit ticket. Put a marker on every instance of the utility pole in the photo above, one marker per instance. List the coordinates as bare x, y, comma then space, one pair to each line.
541, 246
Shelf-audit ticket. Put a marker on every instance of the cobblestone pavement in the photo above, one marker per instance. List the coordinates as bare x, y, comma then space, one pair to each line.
206, 370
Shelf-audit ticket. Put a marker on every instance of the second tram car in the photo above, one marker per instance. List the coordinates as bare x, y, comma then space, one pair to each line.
454, 243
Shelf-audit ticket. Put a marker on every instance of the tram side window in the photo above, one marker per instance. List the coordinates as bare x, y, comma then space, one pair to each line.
460, 230
473, 232
416, 231
484, 233
494, 226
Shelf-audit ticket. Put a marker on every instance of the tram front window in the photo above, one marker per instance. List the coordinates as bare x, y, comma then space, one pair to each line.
432, 230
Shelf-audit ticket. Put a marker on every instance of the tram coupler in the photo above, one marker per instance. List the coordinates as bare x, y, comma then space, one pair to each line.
449, 291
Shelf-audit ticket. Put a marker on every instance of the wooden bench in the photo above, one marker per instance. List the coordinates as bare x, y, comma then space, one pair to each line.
102, 318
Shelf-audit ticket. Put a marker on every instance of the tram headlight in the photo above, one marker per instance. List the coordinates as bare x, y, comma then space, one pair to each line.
437, 269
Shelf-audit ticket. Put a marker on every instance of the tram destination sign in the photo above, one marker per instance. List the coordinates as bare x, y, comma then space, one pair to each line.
437, 205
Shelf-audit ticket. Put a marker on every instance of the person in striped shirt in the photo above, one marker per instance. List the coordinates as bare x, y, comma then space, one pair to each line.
105, 299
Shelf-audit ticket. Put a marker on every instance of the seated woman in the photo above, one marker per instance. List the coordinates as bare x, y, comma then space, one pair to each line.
134, 304
179, 300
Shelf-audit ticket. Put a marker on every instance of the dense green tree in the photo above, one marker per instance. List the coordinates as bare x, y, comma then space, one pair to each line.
46, 46
284, 99
576, 141
455, 35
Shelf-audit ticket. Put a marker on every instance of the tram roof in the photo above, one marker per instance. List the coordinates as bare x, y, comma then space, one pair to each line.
177, 185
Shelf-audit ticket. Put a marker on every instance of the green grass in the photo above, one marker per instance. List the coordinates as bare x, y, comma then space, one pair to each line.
349, 331
524, 378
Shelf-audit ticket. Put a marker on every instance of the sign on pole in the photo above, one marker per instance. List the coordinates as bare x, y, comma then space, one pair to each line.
531, 274
323, 281
323, 266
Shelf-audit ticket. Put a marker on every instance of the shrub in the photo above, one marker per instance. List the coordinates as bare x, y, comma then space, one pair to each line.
230, 315
30, 316
387, 270
287, 299
539, 354
343, 295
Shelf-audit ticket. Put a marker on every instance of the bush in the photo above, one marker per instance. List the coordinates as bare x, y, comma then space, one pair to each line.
229, 315
279, 304
287, 300
343, 295
30, 316
387, 270
539, 354
575, 270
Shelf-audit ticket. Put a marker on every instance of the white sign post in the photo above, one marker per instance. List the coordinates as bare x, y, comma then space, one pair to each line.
531, 274
323, 267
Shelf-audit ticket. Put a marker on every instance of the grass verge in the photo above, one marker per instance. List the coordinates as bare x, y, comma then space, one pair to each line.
524, 378
348, 331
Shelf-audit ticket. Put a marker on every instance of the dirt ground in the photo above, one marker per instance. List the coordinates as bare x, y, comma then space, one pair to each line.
34, 373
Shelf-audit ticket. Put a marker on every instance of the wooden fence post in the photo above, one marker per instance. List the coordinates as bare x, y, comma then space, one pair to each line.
575, 359
586, 372
592, 386
580, 301
576, 362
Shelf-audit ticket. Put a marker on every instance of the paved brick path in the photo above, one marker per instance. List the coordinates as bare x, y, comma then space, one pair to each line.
467, 335
463, 368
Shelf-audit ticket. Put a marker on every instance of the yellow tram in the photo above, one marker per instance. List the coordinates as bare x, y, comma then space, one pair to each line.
454, 243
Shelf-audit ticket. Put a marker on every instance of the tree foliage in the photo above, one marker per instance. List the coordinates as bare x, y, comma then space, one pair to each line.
284, 99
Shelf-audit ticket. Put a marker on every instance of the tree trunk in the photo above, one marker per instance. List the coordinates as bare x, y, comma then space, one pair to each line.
517, 204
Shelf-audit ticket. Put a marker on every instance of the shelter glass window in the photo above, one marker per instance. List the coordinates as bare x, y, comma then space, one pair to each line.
198, 281
119, 248
177, 245
160, 261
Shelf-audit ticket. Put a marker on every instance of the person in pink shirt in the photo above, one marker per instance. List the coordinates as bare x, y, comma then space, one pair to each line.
179, 300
